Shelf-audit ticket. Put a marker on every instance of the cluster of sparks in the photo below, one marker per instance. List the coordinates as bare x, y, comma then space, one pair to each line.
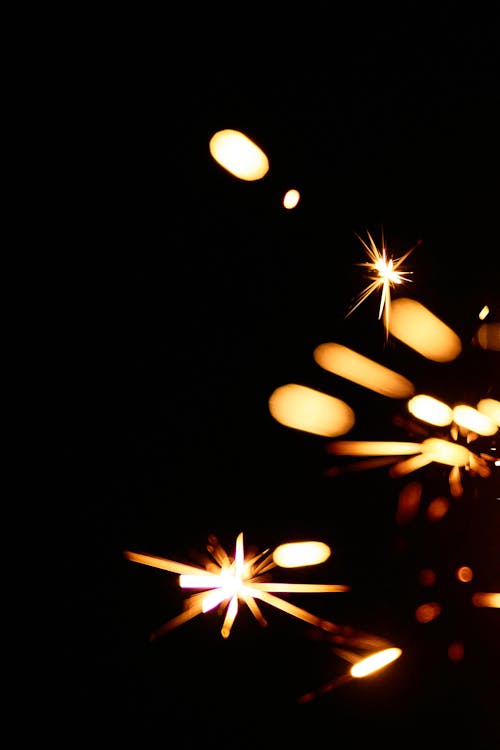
225, 580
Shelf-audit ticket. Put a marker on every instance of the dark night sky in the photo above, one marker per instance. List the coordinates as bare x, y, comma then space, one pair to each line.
183, 297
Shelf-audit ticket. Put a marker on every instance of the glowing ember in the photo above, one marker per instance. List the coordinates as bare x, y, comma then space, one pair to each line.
227, 581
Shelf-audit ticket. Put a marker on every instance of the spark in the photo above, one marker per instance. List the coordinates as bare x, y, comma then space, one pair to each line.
225, 581
384, 272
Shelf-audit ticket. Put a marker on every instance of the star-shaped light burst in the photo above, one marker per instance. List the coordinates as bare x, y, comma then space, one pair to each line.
383, 274
226, 581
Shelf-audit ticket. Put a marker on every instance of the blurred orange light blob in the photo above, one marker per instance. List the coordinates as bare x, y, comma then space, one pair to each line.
444, 452
486, 599
490, 407
474, 420
408, 503
297, 554
456, 651
484, 312
359, 369
291, 199
427, 612
375, 661
427, 577
307, 409
418, 328
239, 155
437, 508
488, 336
464, 574
430, 410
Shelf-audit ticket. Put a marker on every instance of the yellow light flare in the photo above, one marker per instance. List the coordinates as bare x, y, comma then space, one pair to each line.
298, 554
486, 599
418, 328
239, 155
291, 199
484, 312
383, 274
347, 363
473, 420
227, 581
490, 407
430, 410
488, 336
375, 662
309, 410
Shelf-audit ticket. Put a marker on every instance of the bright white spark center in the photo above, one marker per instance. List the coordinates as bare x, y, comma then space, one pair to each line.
383, 273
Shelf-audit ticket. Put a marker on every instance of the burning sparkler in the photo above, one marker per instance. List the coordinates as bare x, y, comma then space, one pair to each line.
226, 581
384, 272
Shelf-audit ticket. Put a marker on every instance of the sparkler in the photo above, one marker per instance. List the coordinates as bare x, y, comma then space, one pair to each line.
224, 581
384, 272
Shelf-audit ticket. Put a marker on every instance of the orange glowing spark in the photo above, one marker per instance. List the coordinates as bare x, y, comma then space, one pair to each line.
227, 581
383, 274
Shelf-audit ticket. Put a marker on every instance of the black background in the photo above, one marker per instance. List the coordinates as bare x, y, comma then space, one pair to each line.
180, 298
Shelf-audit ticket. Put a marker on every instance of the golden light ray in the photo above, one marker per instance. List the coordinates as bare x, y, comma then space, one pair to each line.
383, 274
232, 580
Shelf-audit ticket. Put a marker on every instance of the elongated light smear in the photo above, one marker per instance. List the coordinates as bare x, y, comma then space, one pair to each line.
474, 420
373, 448
430, 410
307, 409
359, 369
239, 155
491, 408
296, 554
486, 599
418, 328
375, 661
488, 336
